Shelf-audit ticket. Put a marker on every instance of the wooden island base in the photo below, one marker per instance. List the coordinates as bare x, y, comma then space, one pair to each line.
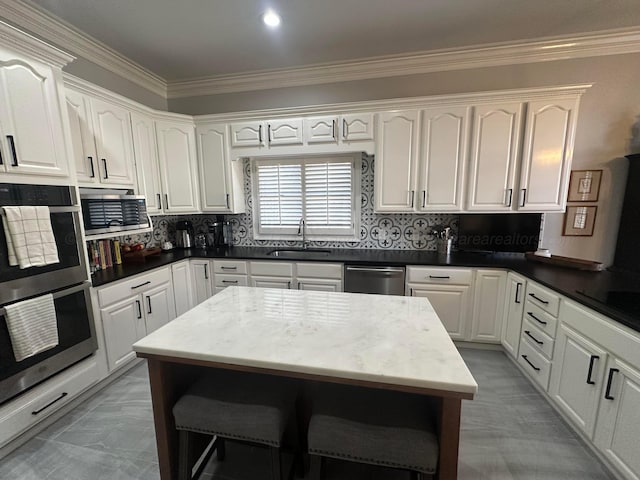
170, 377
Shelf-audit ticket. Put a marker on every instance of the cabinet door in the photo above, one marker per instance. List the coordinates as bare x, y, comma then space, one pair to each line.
577, 377
181, 277
618, 424
546, 158
357, 127
494, 154
82, 141
321, 129
201, 280
513, 309
249, 134
114, 142
270, 282
396, 161
444, 134
215, 175
177, 156
451, 303
123, 325
145, 147
319, 284
159, 307
285, 132
488, 305
31, 119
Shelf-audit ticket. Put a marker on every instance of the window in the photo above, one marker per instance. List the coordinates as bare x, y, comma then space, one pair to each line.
322, 190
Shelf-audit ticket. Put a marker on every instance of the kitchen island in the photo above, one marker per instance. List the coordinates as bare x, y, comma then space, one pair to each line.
371, 341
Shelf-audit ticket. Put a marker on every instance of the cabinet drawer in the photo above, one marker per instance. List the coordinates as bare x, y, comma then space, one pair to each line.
229, 266
544, 298
541, 319
538, 339
133, 286
534, 363
319, 270
457, 276
17, 415
272, 269
224, 280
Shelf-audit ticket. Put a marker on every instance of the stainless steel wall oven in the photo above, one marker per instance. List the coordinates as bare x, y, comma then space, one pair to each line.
66, 280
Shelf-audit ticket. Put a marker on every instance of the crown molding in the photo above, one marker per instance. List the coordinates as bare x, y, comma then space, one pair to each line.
32, 46
608, 42
28, 16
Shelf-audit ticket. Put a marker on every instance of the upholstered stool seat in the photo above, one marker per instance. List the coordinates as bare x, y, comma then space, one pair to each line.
236, 407
382, 428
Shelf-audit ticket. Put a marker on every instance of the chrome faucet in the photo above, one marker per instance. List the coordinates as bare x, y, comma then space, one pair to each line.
302, 230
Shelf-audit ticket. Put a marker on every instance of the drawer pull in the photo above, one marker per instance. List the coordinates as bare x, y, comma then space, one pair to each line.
440, 277
228, 268
229, 281
141, 285
62, 395
536, 318
533, 338
592, 362
533, 295
537, 369
607, 393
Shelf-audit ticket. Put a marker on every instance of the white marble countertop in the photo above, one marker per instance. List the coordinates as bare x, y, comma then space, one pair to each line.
376, 338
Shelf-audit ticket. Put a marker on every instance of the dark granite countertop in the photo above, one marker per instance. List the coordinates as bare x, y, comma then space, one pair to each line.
567, 282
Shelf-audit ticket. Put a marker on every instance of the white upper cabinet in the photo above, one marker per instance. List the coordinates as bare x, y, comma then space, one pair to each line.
31, 123
321, 129
82, 142
249, 134
221, 180
443, 158
357, 127
494, 155
547, 153
145, 148
114, 142
177, 156
284, 132
396, 160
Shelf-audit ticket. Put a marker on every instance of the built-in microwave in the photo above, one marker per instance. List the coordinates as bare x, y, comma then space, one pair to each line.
112, 211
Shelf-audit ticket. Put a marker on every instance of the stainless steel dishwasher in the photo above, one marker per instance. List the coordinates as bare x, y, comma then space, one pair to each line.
374, 279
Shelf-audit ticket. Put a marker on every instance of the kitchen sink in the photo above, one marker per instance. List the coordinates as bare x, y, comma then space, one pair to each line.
298, 252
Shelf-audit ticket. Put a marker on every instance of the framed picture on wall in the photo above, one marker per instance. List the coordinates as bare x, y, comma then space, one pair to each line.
584, 185
579, 221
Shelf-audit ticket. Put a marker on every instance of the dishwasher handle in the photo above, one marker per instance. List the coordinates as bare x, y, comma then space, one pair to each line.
375, 269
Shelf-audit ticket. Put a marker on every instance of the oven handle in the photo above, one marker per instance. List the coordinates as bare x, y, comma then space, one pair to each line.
60, 293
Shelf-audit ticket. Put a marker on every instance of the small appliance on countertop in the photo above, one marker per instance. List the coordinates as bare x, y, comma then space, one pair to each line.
184, 234
220, 234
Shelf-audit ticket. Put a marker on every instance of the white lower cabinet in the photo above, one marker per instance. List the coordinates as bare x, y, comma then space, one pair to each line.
202, 287
230, 273
181, 276
270, 282
319, 284
322, 277
271, 274
488, 306
513, 309
133, 308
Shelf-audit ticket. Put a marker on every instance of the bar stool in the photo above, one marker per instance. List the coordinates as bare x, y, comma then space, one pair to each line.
241, 407
376, 427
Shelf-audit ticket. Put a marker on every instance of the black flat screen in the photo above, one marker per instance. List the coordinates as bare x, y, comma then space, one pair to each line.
514, 232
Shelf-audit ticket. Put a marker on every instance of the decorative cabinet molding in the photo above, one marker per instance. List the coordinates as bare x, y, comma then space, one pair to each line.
249, 134
321, 129
31, 119
284, 132
357, 127
221, 180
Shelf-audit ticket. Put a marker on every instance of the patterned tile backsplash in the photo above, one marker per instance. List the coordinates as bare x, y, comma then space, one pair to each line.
377, 231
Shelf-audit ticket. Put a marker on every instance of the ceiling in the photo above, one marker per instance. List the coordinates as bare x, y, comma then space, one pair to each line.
201, 38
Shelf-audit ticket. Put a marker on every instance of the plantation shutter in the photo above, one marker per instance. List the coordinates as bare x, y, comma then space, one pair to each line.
328, 192
279, 195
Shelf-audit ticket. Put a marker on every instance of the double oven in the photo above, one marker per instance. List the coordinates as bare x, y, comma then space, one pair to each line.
66, 280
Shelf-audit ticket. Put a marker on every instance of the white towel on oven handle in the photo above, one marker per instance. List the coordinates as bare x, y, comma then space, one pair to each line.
30, 236
32, 325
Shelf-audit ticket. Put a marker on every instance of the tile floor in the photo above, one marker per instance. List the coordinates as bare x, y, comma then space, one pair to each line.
508, 432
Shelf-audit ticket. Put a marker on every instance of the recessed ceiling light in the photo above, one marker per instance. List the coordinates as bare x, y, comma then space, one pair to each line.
271, 19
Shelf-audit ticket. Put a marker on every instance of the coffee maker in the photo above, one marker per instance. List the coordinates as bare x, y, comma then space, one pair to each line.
184, 234
220, 234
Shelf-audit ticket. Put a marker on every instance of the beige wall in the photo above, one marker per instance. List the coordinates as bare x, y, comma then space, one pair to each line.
608, 112
106, 79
